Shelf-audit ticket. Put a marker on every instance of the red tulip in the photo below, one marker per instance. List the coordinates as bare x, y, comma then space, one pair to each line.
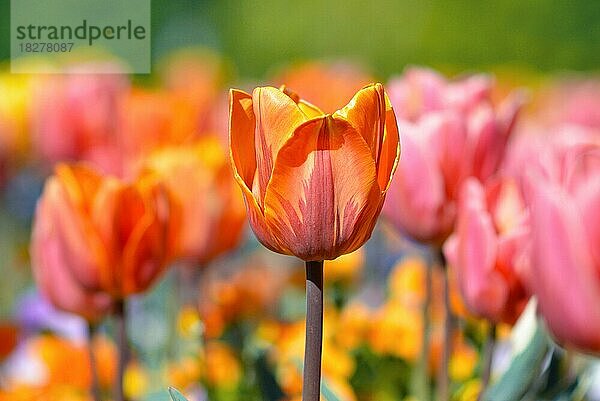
314, 183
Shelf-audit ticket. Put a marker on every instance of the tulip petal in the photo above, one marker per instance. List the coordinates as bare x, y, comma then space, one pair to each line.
70, 193
144, 251
277, 116
483, 288
390, 152
564, 277
241, 137
371, 114
367, 114
588, 200
54, 279
323, 198
415, 200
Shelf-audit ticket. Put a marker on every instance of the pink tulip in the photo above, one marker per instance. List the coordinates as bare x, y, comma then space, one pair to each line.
487, 249
56, 282
571, 101
564, 198
74, 117
450, 131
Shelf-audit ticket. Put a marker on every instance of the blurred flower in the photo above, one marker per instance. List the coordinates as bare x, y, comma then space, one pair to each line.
564, 198
354, 325
571, 101
189, 324
487, 250
211, 214
450, 131
397, 330
151, 120
50, 364
244, 294
327, 84
75, 117
287, 353
135, 381
197, 75
51, 272
222, 368
184, 373
470, 391
346, 268
293, 163
15, 103
99, 234
463, 361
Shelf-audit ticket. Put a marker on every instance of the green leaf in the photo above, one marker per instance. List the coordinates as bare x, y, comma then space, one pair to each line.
523, 370
176, 395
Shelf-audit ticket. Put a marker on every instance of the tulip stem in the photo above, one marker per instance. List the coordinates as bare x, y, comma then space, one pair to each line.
121, 322
488, 357
424, 385
443, 374
95, 389
311, 388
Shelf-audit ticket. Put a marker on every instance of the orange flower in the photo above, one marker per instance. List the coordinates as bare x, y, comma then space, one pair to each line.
328, 84
212, 215
151, 120
108, 235
314, 183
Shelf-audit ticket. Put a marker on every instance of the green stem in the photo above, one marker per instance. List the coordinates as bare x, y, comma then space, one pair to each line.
424, 385
121, 323
488, 357
443, 376
95, 385
311, 389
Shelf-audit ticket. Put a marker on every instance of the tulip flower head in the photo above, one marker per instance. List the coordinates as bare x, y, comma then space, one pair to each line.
74, 118
451, 131
314, 183
488, 249
564, 199
210, 214
99, 234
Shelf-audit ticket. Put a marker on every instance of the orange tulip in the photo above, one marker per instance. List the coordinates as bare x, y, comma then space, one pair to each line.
314, 183
111, 234
211, 214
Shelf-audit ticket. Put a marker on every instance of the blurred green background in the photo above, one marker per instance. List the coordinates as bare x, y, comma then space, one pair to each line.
259, 35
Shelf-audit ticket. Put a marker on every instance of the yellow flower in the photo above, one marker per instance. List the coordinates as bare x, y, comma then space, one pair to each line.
407, 281
135, 381
397, 330
469, 391
463, 361
189, 324
346, 267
